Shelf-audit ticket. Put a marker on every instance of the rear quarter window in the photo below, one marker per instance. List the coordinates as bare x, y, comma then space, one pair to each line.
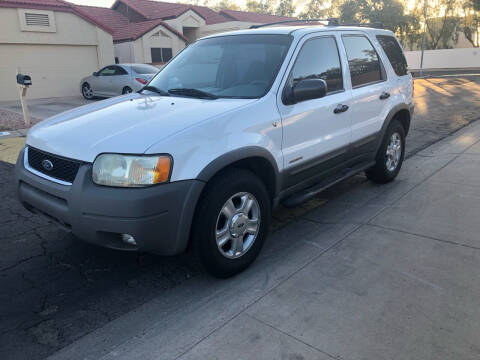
394, 53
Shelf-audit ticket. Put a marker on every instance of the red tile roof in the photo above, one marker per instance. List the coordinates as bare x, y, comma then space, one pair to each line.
122, 28
166, 10
53, 5
253, 17
152, 9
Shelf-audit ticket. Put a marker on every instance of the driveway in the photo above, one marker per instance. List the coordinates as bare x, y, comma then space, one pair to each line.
361, 271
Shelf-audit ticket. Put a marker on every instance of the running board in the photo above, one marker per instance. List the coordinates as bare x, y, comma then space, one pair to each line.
304, 195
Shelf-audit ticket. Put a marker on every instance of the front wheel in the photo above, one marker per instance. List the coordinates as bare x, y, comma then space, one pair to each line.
231, 222
87, 91
390, 156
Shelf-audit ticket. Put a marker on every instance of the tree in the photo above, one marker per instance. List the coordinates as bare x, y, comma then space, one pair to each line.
285, 8
262, 6
226, 5
471, 21
316, 9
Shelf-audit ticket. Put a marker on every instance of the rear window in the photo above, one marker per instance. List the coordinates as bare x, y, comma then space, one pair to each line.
145, 69
394, 53
363, 61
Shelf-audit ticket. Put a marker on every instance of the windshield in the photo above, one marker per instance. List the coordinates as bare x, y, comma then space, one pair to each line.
235, 66
145, 69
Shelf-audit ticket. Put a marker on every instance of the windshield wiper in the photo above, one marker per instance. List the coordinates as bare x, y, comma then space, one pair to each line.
155, 90
193, 93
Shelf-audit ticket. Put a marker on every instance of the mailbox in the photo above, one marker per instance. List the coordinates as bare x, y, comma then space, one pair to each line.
25, 80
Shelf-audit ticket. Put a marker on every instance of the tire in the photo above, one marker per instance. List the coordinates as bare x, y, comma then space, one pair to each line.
241, 187
87, 91
127, 90
384, 171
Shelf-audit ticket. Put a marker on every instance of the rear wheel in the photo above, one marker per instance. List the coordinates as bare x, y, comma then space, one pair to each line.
390, 156
231, 222
87, 91
127, 90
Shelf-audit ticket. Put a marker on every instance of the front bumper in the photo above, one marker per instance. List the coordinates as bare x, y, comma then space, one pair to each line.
158, 217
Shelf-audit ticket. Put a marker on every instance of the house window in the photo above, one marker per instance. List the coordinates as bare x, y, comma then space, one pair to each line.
37, 20
161, 55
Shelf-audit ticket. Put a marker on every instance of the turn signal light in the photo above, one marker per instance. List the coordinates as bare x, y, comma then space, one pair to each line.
162, 170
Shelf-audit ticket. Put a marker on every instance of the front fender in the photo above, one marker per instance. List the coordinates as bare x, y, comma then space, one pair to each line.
202, 150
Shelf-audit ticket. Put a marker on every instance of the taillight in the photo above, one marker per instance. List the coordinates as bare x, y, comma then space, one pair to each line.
142, 81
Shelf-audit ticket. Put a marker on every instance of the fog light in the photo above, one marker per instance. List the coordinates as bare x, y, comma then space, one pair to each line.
128, 239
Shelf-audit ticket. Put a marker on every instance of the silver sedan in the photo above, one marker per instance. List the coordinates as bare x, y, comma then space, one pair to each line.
117, 79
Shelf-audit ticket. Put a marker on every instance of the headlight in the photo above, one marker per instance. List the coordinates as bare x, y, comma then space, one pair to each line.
131, 170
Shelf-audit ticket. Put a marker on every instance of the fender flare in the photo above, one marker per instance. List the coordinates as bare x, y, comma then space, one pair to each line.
240, 154
389, 119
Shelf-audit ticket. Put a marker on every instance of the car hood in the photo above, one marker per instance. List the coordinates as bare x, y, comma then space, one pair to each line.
126, 124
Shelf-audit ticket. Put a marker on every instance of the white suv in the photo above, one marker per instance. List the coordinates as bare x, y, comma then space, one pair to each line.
234, 125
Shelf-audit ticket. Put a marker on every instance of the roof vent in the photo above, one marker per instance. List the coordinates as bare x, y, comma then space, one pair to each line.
32, 19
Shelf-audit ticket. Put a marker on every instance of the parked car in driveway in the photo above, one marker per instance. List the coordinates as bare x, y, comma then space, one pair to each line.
234, 125
117, 79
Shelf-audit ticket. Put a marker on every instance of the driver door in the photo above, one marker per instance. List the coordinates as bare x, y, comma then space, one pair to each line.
103, 81
316, 133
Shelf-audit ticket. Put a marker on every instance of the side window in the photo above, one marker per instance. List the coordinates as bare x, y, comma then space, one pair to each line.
120, 71
363, 61
319, 59
107, 71
394, 53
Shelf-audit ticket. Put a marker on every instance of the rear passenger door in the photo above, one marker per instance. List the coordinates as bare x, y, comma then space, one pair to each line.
103, 81
118, 81
370, 92
402, 86
315, 136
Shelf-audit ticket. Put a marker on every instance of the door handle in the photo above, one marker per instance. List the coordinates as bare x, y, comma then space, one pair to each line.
340, 108
384, 95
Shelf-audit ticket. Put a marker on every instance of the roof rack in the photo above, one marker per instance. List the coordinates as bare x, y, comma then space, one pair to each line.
329, 21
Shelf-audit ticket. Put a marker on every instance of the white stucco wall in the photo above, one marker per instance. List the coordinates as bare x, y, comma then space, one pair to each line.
56, 60
224, 27
188, 19
139, 51
124, 51
444, 59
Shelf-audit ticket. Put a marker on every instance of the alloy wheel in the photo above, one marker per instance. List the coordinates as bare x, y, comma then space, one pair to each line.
237, 225
394, 152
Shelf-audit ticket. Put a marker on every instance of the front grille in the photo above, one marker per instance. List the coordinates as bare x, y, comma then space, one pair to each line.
63, 169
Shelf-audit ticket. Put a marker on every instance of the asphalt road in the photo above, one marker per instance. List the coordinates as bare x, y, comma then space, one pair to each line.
56, 289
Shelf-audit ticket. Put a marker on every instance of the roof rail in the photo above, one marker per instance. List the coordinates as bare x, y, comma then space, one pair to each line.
377, 25
329, 21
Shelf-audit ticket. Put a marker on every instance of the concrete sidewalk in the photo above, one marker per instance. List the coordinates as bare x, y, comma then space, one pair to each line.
380, 272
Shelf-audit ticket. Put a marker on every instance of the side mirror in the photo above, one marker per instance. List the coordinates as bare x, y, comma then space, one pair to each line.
95, 73
309, 89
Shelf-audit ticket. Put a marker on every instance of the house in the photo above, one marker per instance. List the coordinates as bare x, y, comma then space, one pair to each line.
153, 32
54, 42
58, 43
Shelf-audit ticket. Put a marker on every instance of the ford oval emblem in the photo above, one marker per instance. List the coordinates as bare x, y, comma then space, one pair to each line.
47, 165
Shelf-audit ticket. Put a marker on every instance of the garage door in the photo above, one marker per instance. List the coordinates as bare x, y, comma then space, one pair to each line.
56, 70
